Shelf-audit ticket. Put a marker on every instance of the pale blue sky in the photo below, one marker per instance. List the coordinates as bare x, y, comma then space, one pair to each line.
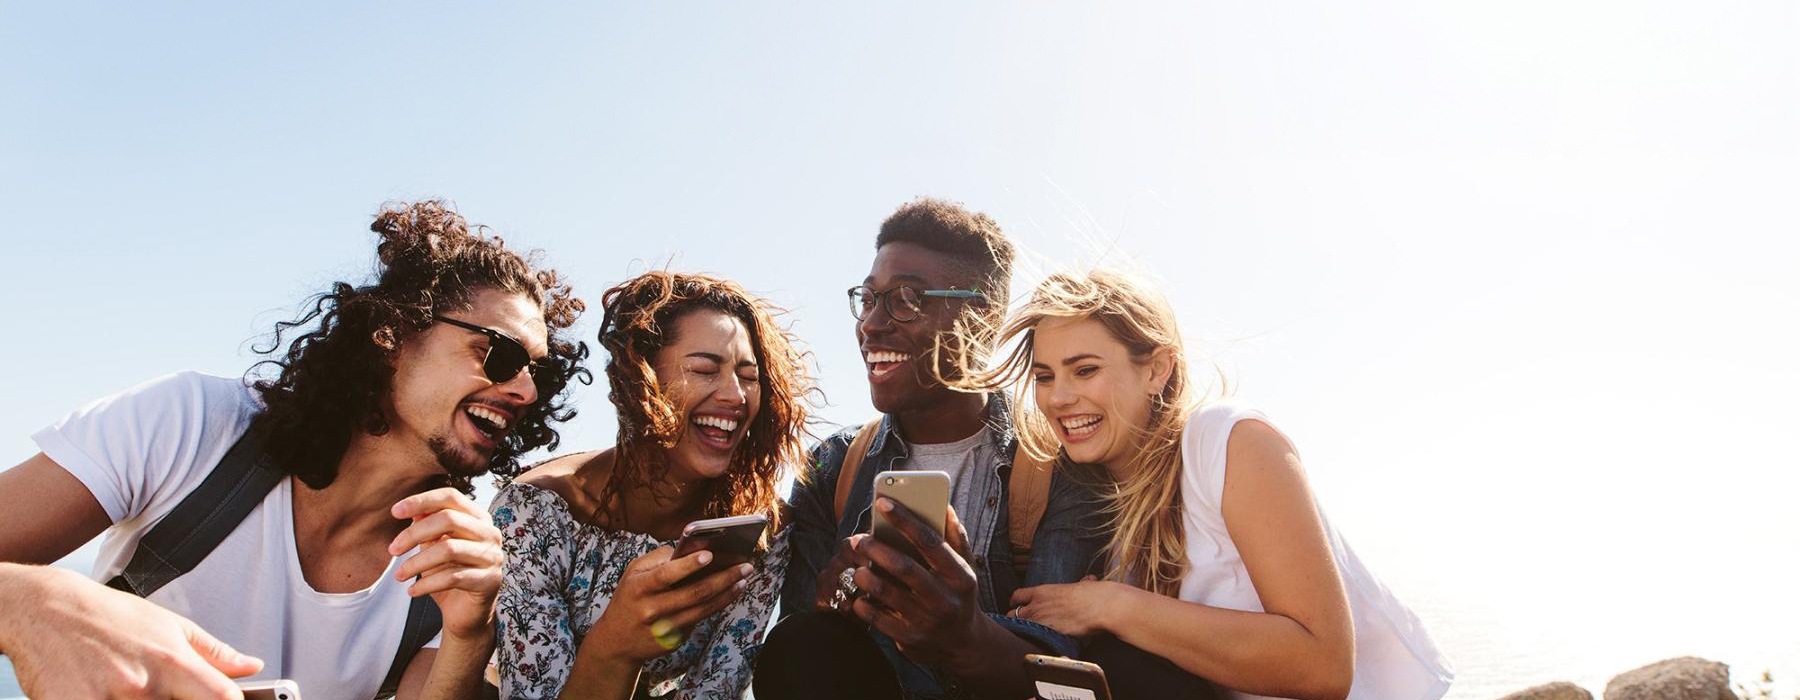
1519, 277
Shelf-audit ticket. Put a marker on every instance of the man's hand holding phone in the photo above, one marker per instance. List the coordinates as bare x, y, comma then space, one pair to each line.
926, 605
74, 638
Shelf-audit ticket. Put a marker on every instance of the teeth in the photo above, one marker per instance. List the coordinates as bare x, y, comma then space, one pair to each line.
725, 424
885, 356
1080, 424
490, 415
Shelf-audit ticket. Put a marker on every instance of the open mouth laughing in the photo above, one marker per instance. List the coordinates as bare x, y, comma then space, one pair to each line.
1079, 427
883, 362
489, 422
715, 430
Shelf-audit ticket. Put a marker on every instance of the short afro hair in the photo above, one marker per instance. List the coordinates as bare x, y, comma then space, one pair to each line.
950, 228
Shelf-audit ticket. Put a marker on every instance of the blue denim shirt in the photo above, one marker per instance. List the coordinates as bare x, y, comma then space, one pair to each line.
1065, 547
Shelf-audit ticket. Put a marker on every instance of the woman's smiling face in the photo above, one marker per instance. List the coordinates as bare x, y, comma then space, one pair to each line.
711, 375
1094, 393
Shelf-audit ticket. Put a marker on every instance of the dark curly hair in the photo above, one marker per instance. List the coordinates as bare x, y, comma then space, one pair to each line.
640, 317
332, 379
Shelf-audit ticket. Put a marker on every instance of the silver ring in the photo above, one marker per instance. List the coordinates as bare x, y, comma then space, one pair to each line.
847, 582
837, 600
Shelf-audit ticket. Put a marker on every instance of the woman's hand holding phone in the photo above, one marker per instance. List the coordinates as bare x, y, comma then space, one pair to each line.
652, 611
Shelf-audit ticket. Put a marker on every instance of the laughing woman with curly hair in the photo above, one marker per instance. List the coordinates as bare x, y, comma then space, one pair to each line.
594, 603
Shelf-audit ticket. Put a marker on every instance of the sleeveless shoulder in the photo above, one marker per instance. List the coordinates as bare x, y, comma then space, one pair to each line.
1203, 445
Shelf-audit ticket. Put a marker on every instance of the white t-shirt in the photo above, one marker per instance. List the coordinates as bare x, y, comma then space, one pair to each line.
141, 451
1395, 657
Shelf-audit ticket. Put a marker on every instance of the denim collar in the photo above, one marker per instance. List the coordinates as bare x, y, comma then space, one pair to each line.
999, 425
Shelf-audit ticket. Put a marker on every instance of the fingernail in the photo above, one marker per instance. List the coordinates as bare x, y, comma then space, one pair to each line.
393, 548
740, 585
745, 569
884, 505
399, 509
705, 557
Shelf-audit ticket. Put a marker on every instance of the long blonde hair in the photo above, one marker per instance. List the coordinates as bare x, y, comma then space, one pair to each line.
1147, 548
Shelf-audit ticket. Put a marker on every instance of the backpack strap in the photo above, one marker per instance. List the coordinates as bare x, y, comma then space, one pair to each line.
202, 520
183, 538
1028, 493
423, 620
852, 467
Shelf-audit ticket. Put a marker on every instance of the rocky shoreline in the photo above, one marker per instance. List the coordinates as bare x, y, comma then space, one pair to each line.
1684, 678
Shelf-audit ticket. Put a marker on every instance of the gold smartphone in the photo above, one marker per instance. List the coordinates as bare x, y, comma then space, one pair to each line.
926, 494
1062, 678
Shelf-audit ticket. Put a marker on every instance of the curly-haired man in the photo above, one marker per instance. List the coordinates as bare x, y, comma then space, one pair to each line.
311, 525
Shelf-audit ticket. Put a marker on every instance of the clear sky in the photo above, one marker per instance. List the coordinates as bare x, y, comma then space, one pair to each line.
1518, 277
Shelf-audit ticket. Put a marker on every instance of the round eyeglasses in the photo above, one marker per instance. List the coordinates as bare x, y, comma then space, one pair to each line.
903, 303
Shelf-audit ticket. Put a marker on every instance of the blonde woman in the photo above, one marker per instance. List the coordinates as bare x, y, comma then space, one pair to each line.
1219, 559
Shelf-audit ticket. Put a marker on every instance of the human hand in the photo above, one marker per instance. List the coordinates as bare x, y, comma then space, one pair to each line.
458, 563
927, 606
826, 584
652, 611
69, 637
1076, 609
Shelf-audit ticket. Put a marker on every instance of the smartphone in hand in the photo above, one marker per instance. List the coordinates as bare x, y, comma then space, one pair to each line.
270, 690
926, 494
732, 541
1062, 678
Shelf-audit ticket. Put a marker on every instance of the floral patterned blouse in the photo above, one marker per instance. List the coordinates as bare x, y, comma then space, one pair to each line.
560, 574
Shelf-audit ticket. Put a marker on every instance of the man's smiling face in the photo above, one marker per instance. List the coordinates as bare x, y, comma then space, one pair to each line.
895, 353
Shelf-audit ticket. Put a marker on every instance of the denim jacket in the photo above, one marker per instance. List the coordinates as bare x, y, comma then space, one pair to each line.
1065, 547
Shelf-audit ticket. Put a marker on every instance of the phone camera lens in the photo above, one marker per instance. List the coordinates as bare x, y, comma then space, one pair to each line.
890, 481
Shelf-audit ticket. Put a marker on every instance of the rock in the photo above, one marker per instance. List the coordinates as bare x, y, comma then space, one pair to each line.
1560, 690
1685, 678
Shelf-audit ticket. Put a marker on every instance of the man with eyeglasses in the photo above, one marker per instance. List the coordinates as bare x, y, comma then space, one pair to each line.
311, 525
860, 619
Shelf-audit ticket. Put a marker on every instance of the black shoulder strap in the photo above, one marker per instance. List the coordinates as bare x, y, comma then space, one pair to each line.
201, 521
422, 623
183, 538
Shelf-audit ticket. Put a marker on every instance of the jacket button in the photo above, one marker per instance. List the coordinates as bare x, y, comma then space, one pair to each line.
993, 501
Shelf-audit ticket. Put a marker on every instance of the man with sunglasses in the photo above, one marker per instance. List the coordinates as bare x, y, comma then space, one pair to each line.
860, 619
310, 525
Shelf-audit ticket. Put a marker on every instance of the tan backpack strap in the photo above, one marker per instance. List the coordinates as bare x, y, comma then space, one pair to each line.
1028, 493
853, 459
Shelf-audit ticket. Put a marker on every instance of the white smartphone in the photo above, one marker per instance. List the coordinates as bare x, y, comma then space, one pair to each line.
732, 541
270, 690
926, 494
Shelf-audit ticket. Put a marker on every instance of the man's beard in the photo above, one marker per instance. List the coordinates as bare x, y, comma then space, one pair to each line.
458, 461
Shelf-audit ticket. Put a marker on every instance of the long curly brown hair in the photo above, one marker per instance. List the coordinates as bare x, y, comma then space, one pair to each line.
640, 318
331, 379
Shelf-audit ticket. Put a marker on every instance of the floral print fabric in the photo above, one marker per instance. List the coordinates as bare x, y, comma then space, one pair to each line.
560, 575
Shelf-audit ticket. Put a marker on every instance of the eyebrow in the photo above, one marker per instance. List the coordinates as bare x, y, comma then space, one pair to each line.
720, 359
1072, 359
903, 277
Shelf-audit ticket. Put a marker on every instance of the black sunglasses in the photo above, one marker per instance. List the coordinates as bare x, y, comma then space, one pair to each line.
507, 356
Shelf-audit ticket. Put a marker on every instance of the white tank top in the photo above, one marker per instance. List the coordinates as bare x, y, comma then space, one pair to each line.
1395, 657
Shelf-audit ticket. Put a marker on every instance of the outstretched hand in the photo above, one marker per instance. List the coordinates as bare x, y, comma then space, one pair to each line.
70, 637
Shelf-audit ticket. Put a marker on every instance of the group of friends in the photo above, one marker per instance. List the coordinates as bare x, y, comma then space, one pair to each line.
312, 520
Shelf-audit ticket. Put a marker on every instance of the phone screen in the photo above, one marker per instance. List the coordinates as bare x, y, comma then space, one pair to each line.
1057, 691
